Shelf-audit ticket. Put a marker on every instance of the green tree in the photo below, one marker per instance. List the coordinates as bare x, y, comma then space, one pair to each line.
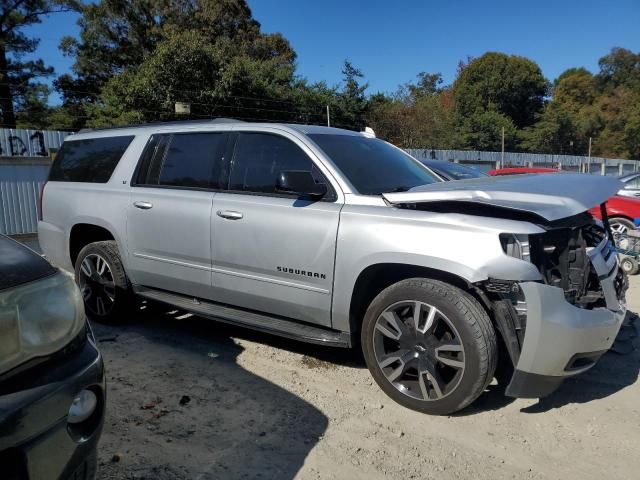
117, 38
188, 67
621, 67
428, 84
569, 119
18, 88
483, 131
417, 115
575, 88
353, 104
555, 132
507, 84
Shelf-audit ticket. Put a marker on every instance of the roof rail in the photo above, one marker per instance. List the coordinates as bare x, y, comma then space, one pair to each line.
168, 122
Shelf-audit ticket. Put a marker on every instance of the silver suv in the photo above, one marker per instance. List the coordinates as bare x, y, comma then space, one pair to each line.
335, 237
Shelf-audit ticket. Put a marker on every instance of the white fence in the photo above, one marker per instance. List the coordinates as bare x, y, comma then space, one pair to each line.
490, 160
25, 157
20, 181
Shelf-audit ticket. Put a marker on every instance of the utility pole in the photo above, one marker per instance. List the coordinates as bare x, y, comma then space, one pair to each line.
328, 117
502, 154
589, 157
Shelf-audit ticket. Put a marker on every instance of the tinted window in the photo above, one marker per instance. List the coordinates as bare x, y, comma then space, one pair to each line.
91, 160
191, 160
260, 157
455, 171
373, 166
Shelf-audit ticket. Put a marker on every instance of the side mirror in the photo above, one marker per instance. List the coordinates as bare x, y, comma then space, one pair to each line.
300, 182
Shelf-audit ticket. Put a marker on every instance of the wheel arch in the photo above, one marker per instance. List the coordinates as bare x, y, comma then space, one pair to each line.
82, 234
622, 216
376, 277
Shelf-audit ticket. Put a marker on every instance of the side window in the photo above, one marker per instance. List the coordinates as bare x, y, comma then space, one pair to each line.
260, 157
189, 160
92, 160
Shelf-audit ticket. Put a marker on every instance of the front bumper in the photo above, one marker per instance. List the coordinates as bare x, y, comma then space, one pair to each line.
36, 441
563, 340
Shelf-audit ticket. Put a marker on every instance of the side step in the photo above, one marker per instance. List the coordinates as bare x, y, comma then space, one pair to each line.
256, 321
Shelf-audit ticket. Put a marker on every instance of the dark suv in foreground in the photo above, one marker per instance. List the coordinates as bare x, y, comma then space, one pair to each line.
52, 385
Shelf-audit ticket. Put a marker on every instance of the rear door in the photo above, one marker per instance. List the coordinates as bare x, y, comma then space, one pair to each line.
169, 215
274, 252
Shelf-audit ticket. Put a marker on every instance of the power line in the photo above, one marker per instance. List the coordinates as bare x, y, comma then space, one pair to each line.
196, 92
165, 113
218, 107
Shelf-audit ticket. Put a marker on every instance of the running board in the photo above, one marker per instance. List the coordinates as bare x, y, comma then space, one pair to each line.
256, 321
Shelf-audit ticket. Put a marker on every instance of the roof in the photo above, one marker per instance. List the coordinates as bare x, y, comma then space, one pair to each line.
629, 176
141, 128
163, 124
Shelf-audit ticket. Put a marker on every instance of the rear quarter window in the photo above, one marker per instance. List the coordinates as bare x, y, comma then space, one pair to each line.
92, 160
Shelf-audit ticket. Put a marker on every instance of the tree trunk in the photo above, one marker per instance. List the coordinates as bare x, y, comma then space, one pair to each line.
6, 99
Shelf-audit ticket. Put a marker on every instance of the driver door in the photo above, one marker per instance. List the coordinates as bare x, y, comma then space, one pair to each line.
273, 252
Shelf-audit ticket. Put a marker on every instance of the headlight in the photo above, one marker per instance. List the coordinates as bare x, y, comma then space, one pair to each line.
38, 318
516, 245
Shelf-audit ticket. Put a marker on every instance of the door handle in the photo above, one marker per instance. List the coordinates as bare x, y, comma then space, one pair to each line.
143, 205
229, 214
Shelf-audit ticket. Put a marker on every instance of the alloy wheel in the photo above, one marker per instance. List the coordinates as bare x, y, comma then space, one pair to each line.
419, 350
619, 231
97, 284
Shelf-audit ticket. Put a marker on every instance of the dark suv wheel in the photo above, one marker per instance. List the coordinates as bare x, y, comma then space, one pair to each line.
429, 345
103, 282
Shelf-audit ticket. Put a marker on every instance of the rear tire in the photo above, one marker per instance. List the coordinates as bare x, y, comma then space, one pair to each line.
103, 282
447, 351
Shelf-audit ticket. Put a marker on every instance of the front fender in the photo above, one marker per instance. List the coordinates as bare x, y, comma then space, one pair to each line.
465, 246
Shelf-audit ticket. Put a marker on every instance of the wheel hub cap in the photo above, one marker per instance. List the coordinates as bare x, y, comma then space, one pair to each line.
97, 285
419, 350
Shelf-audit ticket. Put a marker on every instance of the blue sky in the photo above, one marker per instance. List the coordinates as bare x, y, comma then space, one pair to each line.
391, 41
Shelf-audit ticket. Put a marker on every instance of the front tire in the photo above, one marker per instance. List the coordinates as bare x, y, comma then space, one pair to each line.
430, 346
103, 282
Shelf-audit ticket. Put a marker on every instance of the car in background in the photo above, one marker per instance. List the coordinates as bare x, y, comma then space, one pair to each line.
52, 384
521, 171
622, 211
631, 185
452, 171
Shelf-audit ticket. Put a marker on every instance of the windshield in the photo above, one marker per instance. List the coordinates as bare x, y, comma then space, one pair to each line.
373, 166
457, 172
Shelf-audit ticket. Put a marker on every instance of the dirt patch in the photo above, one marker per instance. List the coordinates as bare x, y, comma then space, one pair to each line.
311, 362
271, 408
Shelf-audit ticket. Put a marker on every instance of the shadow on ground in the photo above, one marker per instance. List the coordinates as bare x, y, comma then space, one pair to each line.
179, 406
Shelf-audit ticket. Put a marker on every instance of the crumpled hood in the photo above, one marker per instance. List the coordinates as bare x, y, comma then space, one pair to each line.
552, 196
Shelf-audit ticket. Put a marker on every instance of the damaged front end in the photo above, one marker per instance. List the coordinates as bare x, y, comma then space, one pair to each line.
559, 326
560, 320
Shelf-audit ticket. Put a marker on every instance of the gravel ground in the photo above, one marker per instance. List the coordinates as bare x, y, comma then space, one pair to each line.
191, 398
